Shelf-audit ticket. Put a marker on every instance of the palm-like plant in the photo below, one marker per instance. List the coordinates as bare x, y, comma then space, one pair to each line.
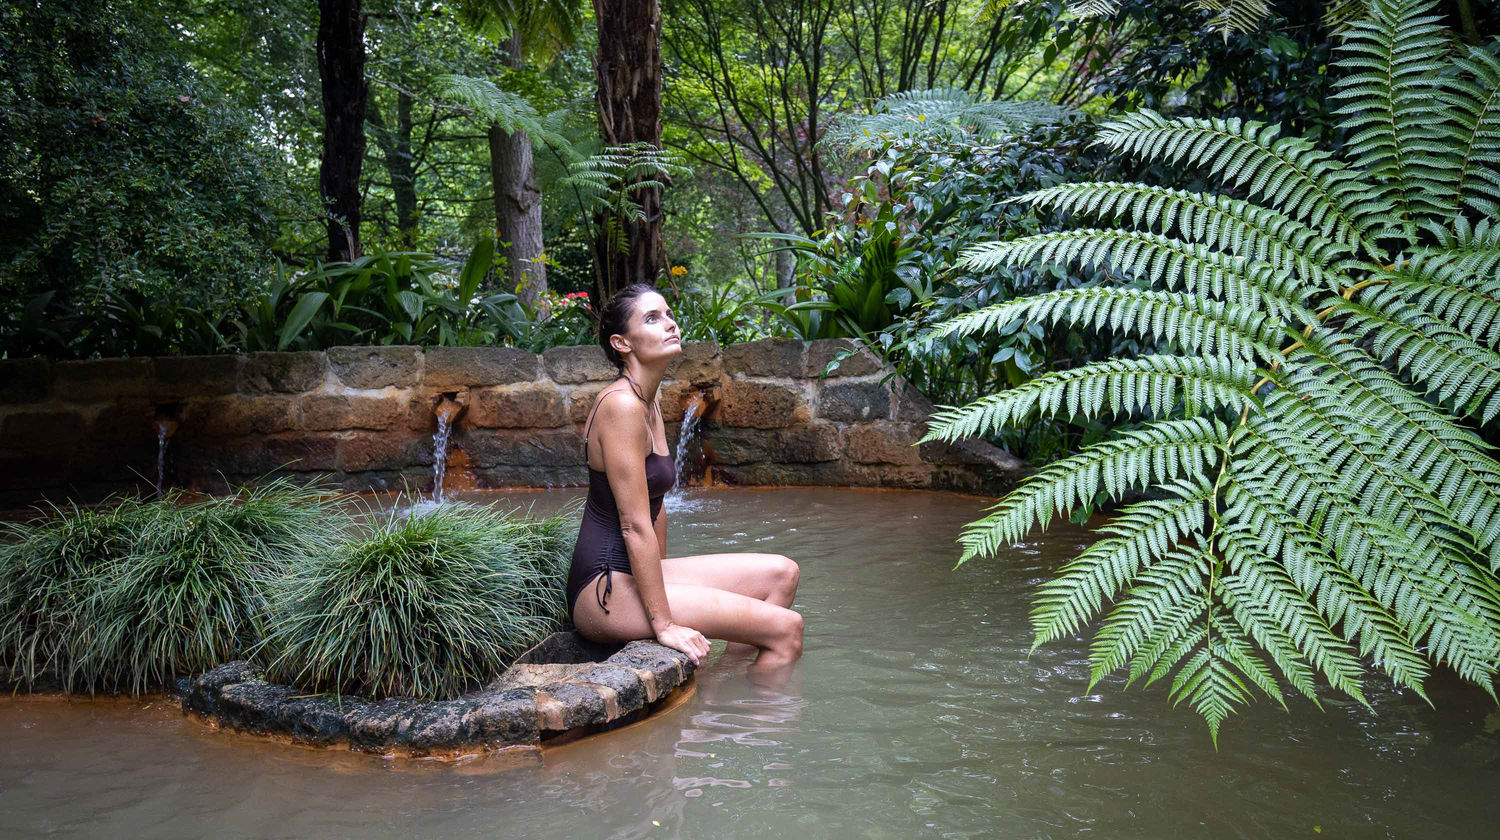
1321, 499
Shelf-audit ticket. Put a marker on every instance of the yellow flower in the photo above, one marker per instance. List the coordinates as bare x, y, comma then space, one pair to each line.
679, 270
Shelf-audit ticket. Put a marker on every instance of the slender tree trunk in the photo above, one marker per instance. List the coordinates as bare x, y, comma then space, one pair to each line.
341, 65
786, 261
399, 164
628, 68
518, 203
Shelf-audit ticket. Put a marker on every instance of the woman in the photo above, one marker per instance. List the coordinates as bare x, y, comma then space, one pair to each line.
622, 586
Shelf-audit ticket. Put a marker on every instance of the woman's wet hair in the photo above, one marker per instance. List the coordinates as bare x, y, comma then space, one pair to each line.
614, 318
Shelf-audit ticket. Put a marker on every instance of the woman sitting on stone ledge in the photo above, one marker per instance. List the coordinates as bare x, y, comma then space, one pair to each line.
621, 585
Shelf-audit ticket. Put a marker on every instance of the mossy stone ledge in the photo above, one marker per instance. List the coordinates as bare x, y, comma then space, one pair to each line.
564, 685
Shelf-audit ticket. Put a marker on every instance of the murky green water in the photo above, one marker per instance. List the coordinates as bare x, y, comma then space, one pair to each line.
914, 713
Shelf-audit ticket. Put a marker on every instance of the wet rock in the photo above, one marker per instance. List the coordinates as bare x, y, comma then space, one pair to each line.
447, 368
854, 401
768, 357
822, 352
882, 443
97, 380
233, 416
812, 443
266, 373
760, 405
517, 407
360, 451
576, 365
41, 429
700, 363
335, 412
196, 376
377, 367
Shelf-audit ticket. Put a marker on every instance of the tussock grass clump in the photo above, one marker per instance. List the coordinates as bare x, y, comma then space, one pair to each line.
48, 568
421, 605
127, 597
194, 592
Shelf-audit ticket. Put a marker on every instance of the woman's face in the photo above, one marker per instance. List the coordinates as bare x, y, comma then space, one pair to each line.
652, 333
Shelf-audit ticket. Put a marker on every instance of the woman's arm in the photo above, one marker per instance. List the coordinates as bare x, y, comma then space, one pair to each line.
623, 441
661, 530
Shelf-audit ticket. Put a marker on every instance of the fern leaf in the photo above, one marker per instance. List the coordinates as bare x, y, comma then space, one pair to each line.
1154, 615
1475, 99
1149, 455
1292, 175
1119, 387
1223, 224
1206, 326
1142, 533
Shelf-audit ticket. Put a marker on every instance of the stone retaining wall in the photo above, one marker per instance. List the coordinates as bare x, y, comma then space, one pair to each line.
364, 416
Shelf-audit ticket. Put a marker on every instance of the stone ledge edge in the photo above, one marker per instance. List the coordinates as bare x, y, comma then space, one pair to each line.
234, 696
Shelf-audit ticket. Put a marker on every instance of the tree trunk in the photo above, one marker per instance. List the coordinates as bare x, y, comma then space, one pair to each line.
399, 164
518, 203
341, 66
628, 68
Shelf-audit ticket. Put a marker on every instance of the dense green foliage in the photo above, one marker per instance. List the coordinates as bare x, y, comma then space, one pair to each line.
130, 596
1323, 497
422, 605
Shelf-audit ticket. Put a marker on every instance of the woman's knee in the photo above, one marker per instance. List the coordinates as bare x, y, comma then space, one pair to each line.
785, 572
789, 632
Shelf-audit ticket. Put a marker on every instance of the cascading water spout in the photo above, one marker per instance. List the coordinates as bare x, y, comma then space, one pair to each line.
691, 415
447, 411
165, 426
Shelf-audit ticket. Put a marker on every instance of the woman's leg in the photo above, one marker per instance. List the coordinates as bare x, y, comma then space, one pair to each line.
716, 613
766, 577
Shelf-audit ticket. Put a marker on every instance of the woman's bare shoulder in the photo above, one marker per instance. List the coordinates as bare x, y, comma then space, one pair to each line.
613, 407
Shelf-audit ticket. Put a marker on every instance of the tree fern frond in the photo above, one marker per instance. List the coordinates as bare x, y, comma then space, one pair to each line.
1414, 583
1294, 176
1200, 270
1142, 533
1199, 325
1339, 598
1209, 685
1469, 305
947, 113
1393, 54
1469, 252
1235, 16
1475, 100
511, 111
1448, 460
1155, 614
1454, 368
1265, 601
1147, 384
1152, 454
1224, 224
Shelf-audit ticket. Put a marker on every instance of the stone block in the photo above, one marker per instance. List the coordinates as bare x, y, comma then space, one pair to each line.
450, 368
508, 475
970, 452
398, 366
581, 402
360, 451
301, 453
338, 412
624, 683
517, 407
31, 430
824, 350
579, 364
812, 443
283, 373
881, 443
853, 401
738, 446
24, 380
699, 363
197, 376
232, 416
768, 357
760, 405
540, 448
911, 405
507, 716
566, 705
98, 380
127, 422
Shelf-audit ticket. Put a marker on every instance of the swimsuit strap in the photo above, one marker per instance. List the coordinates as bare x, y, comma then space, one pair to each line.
651, 432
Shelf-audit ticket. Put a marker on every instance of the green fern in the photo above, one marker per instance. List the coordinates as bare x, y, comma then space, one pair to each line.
1320, 500
945, 113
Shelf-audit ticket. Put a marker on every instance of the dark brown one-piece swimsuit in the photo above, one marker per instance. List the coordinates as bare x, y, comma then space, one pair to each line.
600, 549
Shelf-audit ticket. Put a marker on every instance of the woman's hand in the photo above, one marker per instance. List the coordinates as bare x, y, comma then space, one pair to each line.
687, 640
